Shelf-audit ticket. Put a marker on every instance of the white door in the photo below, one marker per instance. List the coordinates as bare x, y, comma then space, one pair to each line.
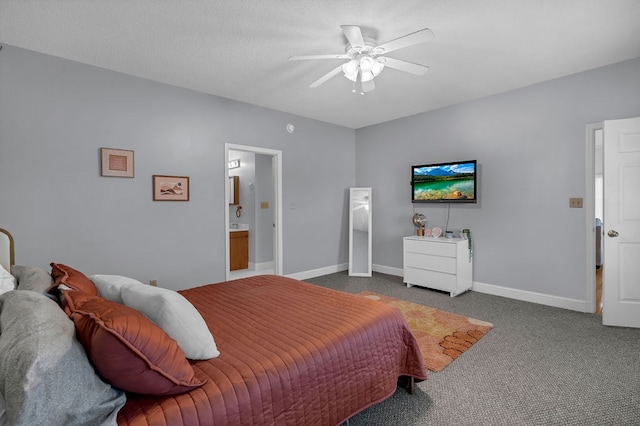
621, 274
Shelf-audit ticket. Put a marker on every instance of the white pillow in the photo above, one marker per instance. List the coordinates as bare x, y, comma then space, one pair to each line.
176, 316
110, 286
7, 281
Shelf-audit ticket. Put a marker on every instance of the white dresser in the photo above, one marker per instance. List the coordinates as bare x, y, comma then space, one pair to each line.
439, 263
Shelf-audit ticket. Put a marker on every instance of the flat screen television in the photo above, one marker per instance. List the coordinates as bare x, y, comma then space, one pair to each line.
453, 182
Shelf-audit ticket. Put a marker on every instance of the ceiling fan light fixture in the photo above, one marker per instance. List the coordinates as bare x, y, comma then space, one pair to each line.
350, 70
353, 77
367, 76
366, 63
367, 66
377, 67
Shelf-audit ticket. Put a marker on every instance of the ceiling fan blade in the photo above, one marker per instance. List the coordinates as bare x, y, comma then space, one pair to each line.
326, 77
368, 86
336, 56
405, 66
420, 36
354, 35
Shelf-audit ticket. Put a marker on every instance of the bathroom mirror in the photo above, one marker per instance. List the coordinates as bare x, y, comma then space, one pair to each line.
360, 232
234, 190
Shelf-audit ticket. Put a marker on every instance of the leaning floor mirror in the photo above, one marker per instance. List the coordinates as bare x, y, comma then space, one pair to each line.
360, 232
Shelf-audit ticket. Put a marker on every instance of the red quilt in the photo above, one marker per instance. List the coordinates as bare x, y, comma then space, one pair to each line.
292, 353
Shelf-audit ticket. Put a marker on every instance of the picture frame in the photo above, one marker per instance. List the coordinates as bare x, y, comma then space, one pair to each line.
116, 162
170, 188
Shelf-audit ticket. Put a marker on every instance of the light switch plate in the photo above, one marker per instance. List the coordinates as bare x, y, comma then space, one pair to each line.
575, 203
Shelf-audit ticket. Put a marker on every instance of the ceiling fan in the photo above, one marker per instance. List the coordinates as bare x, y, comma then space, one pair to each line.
365, 60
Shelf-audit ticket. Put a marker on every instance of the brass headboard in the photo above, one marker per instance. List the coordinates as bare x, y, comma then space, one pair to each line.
7, 257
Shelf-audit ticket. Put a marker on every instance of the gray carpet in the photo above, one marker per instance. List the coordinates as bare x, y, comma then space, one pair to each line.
538, 366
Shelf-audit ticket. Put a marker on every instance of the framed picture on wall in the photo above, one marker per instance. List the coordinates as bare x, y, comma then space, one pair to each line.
116, 162
170, 188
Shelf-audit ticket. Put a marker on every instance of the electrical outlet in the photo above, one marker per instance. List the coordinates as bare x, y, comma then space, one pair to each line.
575, 203
153, 283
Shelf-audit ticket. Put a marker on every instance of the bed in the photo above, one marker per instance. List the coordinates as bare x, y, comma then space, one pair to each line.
289, 353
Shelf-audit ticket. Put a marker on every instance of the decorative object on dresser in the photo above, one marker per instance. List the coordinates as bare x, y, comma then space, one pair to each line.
170, 188
439, 263
442, 336
420, 222
116, 162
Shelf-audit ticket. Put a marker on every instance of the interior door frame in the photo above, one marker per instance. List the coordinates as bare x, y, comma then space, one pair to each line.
277, 181
590, 207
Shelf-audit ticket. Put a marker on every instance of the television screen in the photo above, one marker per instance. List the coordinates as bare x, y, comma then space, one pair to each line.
444, 182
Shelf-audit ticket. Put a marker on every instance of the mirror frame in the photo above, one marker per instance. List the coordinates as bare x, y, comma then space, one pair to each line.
353, 203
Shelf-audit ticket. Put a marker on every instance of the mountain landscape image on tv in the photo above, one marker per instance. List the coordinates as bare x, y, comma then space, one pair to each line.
453, 182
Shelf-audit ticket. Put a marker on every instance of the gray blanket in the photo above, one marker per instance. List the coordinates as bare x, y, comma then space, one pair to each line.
45, 375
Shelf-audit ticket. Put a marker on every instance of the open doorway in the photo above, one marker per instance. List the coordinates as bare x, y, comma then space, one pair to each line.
599, 213
253, 211
594, 205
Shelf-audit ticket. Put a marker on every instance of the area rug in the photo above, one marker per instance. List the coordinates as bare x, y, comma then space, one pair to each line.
442, 336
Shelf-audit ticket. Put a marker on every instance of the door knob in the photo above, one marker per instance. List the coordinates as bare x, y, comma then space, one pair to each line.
613, 233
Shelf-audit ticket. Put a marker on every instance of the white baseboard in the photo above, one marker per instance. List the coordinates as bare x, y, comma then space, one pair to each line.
398, 272
261, 266
304, 275
495, 290
530, 296
524, 295
342, 267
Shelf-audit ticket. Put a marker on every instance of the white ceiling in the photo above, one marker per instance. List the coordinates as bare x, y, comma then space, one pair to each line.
238, 49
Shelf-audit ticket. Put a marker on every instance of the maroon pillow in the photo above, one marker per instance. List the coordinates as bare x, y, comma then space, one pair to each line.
127, 350
63, 274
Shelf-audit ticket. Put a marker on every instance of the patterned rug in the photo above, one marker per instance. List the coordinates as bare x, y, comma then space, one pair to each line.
442, 336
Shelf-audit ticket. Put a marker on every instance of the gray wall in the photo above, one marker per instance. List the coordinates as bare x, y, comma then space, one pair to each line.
530, 147
529, 143
56, 114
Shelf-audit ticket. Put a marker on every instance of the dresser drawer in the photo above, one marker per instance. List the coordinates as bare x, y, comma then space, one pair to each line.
431, 279
431, 263
430, 247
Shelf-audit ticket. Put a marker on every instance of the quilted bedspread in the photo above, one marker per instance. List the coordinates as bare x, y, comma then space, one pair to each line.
292, 353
